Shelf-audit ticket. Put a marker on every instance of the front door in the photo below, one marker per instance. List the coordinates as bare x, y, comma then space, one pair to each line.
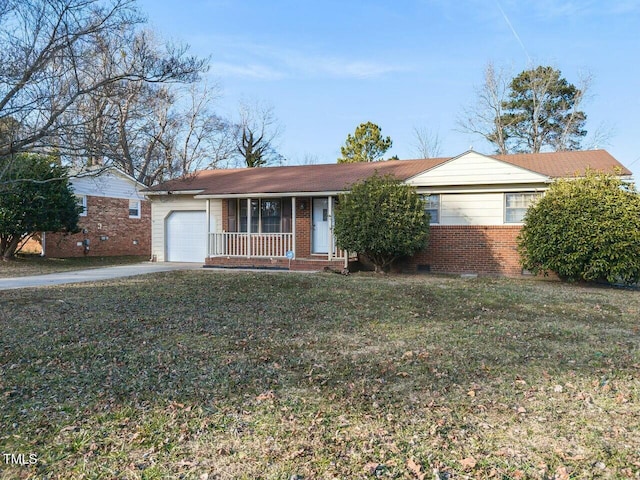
320, 217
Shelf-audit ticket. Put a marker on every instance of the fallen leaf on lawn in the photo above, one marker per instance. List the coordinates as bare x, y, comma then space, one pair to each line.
471, 393
265, 396
416, 468
518, 474
468, 463
562, 473
371, 467
296, 454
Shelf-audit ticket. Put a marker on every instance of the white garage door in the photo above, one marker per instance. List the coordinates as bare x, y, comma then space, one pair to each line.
186, 237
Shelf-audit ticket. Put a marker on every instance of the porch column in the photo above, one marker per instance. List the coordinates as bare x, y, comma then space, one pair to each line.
208, 213
248, 227
330, 219
293, 224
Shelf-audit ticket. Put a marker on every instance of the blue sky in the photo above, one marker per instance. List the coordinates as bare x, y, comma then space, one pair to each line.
327, 66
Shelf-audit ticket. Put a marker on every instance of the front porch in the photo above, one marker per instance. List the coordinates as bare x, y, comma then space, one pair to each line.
294, 233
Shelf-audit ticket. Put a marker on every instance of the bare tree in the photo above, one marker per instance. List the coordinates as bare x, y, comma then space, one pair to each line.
486, 117
55, 53
155, 132
205, 140
256, 133
427, 143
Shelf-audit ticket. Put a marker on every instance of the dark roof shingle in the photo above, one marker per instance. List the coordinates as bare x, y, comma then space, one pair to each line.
338, 177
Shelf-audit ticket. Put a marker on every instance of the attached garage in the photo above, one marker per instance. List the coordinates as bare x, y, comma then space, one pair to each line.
186, 236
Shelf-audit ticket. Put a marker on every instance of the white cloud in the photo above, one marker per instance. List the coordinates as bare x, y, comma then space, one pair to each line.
251, 70
259, 61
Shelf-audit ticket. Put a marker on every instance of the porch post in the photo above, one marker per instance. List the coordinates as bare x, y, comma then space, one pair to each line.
330, 219
208, 213
293, 224
248, 227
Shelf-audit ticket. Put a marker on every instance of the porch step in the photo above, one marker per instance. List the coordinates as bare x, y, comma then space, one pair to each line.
274, 263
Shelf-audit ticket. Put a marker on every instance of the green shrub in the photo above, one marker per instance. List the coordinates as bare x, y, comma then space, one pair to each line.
382, 219
584, 229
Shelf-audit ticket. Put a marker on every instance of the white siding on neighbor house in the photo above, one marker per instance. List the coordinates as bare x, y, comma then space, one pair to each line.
475, 169
161, 208
107, 184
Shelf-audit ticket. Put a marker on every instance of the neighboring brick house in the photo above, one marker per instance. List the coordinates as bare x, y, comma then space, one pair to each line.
116, 218
258, 217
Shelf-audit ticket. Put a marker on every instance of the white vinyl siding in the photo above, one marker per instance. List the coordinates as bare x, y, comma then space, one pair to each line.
475, 169
161, 208
471, 209
108, 183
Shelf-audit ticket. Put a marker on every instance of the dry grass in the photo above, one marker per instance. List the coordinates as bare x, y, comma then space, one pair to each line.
237, 375
24, 265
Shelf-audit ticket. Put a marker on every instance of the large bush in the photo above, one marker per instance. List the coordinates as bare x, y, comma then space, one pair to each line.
585, 229
35, 196
382, 219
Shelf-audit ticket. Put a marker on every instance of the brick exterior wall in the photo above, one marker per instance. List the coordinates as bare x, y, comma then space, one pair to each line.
303, 227
109, 230
485, 250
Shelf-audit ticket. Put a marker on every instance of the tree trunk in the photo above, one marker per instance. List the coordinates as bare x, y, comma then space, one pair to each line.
8, 247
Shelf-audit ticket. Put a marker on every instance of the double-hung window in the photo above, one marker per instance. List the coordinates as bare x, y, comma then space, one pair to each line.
516, 205
432, 207
134, 208
82, 202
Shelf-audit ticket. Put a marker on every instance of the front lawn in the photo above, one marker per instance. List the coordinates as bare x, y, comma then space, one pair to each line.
27, 264
220, 375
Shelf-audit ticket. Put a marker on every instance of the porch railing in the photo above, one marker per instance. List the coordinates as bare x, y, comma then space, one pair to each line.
266, 245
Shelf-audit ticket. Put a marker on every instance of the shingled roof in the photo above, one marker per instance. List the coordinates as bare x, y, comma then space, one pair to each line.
339, 177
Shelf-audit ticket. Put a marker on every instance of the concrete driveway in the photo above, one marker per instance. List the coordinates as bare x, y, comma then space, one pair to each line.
93, 274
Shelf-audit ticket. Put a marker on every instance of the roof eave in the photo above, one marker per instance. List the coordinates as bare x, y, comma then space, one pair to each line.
171, 192
325, 193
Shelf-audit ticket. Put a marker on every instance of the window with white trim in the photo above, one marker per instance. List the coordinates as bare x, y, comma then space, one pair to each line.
432, 207
268, 215
81, 200
516, 205
134, 208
